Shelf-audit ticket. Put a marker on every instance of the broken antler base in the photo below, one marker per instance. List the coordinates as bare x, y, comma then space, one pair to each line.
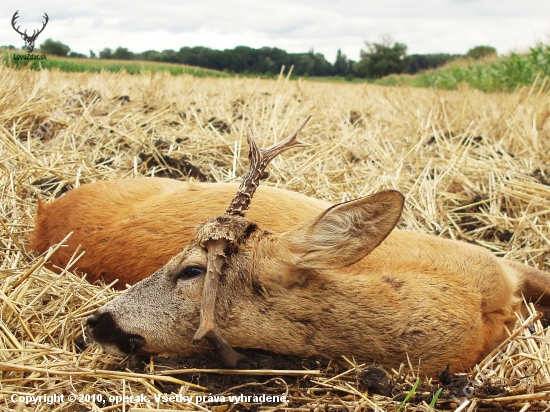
208, 328
227, 354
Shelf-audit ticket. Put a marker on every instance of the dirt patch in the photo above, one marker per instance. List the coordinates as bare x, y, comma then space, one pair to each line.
469, 221
52, 185
542, 176
454, 389
219, 124
172, 168
246, 385
376, 380
89, 96
545, 320
123, 99
223, 383
356, 118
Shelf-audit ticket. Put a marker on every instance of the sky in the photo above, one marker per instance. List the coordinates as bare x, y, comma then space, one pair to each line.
425, 26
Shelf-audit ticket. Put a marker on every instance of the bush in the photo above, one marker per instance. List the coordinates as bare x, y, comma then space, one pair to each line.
420, 62
78, 55
479, 52
382, 59
122, 53
342, 65
503, 74
54, 47
106, 53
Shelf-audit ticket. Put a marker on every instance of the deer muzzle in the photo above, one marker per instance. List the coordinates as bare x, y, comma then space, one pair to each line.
104, 330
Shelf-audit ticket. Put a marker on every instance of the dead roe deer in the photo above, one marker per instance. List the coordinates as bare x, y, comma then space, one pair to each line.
339, 283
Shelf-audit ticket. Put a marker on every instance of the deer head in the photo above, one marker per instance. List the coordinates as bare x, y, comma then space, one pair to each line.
232, 270
220, 235
29, 40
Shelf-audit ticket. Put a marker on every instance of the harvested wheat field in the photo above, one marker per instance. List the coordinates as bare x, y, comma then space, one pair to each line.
473, 167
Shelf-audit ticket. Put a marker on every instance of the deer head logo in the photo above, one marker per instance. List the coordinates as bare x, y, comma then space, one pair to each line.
29, 40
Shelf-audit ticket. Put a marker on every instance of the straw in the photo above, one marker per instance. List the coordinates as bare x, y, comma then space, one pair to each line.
473, 166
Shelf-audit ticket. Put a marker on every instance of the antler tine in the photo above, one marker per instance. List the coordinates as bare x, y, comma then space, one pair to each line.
259, 159
36, 32
45, 23
14, 21
289, 142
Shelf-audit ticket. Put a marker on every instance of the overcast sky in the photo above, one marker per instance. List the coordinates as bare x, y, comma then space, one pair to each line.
425, 26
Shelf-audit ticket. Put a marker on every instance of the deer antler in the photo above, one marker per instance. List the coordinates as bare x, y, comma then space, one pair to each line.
35, 34
220, 233
13, 21
208, 328
259, 159
47, 19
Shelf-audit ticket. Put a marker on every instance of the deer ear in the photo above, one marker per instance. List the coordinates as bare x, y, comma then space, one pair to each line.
345, 233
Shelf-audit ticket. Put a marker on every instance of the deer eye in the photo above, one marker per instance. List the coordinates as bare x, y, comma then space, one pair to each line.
191, 272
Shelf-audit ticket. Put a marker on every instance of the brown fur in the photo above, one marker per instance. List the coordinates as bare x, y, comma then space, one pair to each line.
130, 228
335, 284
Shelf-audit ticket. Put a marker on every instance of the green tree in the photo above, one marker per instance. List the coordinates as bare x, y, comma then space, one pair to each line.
382, 59
322, 66
106, 53
302, 63
78, 55
420, 62
122, 53
55, 47
150, 55
267, 66
271, 60
480, 52
342, 66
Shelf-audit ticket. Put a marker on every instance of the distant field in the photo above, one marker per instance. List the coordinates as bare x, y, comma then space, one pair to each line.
96, 65
502, 74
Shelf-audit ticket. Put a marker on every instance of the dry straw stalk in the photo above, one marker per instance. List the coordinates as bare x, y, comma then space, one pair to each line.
473, 167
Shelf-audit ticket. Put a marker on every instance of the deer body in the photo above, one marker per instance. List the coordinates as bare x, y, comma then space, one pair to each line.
439, 301
341, 281
130, 228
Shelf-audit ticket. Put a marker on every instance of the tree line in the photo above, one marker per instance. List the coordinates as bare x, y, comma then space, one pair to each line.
376, 60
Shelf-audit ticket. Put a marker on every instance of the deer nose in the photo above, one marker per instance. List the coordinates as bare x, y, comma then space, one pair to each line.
104, 329
101, 325
93, 320
135, 342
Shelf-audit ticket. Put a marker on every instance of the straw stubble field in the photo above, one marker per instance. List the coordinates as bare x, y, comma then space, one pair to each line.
473, 167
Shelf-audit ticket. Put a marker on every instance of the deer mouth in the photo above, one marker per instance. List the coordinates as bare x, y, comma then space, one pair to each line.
104, 330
